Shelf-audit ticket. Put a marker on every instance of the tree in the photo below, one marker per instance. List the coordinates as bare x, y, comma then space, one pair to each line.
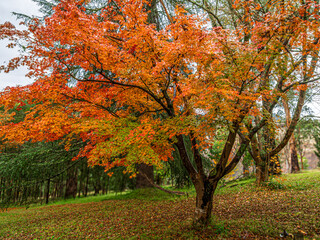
292, 142
36, 172
133, 93
316, 131
265, 146
307, 129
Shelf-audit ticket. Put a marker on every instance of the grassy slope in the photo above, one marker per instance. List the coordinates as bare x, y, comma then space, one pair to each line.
241, 211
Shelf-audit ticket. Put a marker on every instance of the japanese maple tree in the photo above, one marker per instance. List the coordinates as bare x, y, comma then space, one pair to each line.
132, 92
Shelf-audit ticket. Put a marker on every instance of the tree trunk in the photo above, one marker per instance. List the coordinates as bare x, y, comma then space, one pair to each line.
71, 183
107, 184
294, 156
87, 183
292, 142
79, 189
96, 180
300, 147
204, 202
262, 173
96, 186
104, 183
61, 186
48, 191
144, 170
262, 166
245, 170
301, 160
1, 187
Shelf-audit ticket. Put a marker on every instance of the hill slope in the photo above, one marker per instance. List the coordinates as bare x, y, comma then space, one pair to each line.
241, 210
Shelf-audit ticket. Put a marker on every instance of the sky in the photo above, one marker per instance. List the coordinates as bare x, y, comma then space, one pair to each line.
27, 7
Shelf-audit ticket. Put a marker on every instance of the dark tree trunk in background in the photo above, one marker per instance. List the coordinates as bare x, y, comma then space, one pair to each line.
79, 188
104, 183
87, 183
61, 186
145, 173
97, 186
107, 184
301, 161
1, 186
245, 170
71, 183
48, 191
292, 142
294, 156
96, 179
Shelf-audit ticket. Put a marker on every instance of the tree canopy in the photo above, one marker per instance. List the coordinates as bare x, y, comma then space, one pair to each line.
133, 92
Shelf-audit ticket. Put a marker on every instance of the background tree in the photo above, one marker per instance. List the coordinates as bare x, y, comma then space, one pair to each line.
316, 135
40, 171
292, 142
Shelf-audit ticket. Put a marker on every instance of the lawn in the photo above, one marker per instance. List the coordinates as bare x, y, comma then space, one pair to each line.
241, 211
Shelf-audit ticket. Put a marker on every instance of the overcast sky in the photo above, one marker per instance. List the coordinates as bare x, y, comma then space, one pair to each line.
27, 7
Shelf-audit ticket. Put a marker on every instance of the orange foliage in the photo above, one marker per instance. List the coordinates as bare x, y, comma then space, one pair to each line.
114, 81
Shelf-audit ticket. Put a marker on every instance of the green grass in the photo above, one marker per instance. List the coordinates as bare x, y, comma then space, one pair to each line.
150, 194
88, 199
241, 211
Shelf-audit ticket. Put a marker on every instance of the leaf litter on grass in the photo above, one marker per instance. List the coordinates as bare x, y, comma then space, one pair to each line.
260, 214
